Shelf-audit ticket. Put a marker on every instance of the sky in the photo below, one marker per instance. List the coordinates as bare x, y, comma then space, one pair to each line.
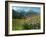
26, 9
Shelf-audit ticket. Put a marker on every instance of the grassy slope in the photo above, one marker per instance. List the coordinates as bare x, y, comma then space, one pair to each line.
27, 23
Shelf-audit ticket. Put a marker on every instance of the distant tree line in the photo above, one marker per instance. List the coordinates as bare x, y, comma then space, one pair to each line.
22, 14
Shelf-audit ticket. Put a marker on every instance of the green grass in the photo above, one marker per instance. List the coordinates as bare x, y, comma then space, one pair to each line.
26, 23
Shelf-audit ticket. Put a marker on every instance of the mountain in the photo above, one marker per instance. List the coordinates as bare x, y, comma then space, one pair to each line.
23, 14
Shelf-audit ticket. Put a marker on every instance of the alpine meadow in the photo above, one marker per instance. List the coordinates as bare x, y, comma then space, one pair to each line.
25, 18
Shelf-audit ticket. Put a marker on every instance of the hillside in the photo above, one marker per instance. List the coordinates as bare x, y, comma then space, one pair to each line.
27, 23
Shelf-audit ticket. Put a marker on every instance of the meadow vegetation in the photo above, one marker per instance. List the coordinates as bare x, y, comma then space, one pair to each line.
25, 21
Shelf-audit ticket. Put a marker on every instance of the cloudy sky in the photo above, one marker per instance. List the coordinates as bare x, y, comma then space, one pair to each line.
26, 9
